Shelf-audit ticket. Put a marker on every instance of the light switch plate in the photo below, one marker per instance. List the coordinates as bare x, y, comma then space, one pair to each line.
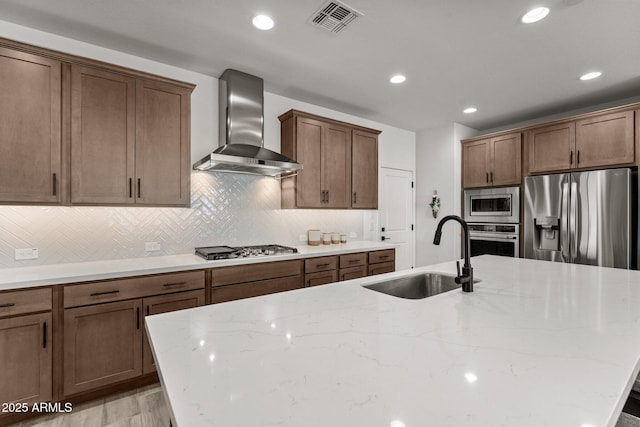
152, 246
26, 253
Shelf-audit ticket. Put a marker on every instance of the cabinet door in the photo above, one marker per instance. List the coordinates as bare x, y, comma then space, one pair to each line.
102, 136
163, 153
476, 162
353, 272
605, 140
336, 166
551, 148
321, 278
506, 159
164, 304
364, 170
309, 193
25, 357
30, 151
102, 345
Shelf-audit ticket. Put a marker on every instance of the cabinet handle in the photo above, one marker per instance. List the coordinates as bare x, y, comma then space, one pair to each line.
147, 310
384, 256
322, 196
7, 305
578, 157
95, 294
322, 265
137, 317
44, 334
327, 196
167, 285
130, 187
139, 187
571, 158
491, 174
351, 261
355, 197
55, 184
487, 177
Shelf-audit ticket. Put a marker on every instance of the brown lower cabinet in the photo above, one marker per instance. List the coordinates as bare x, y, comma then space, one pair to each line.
353, 266
25, 358
102, 345
25, 346
238, 282
104, 338
382, 261
321, 278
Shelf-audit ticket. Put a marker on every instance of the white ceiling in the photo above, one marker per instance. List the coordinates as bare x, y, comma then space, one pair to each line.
455, 53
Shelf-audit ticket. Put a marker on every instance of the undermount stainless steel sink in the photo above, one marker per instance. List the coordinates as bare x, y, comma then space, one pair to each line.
418, 286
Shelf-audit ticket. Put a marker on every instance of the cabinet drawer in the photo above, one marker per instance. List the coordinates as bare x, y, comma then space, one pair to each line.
353, 260
251, 272
384, 267
254, 289
324, 263
25, 301
320, 278
353, 272
133, 287
382, 256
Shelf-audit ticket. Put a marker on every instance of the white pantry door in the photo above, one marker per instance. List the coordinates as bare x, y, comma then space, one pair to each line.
396, 213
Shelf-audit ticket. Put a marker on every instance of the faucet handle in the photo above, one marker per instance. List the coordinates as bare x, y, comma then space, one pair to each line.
458, 277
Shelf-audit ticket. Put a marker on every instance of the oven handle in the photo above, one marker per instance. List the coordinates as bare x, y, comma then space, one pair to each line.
495, 238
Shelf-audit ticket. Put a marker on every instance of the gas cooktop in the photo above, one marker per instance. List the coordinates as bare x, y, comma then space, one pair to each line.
228, 252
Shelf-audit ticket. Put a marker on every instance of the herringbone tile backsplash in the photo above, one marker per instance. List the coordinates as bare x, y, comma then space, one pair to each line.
226, 209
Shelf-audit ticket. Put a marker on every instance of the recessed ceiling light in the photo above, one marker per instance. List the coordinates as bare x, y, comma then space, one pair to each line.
470, 110
591, 75
398, 78
262, 22
535, 15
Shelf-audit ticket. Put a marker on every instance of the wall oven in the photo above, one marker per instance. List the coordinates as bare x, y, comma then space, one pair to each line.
497, 205
493, 215
494, 239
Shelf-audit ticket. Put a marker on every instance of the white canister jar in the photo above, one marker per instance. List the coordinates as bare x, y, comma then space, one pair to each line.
335, 237
343, 238
326, 238
313, 237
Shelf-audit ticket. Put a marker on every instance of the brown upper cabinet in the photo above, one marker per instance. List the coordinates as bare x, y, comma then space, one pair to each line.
340, 163
124, 135
595, 141
492, 161
30, 130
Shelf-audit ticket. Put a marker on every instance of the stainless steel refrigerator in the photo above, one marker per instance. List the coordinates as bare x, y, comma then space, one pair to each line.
582, 217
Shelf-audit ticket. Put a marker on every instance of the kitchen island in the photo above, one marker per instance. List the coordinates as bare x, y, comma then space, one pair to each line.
536, 344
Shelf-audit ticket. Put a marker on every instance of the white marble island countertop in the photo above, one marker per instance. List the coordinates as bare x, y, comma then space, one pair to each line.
536, 344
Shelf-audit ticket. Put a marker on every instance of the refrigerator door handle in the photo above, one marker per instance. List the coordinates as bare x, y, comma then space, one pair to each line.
573, 220
564, 226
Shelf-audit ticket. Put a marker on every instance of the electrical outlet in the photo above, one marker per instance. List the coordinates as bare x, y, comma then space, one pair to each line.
152, 246
26, 253
303, 237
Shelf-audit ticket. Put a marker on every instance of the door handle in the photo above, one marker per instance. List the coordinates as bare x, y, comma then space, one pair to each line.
327, 196
355, 197
139, 182
138, 318
578, 157
385, 238
573, 221
55, 184
44, 335
130, 187
564, 228
571, 158
487, 177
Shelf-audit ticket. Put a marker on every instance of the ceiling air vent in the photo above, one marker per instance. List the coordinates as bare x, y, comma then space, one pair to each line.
334, 16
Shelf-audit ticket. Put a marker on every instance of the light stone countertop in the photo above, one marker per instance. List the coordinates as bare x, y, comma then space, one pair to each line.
536, 344
53, 274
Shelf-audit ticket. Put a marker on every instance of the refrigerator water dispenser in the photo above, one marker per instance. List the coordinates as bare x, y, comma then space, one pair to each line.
547, 233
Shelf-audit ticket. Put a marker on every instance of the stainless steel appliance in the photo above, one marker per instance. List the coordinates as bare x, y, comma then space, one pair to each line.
241, 125
494, 239
497, 205
582, 217
228, 252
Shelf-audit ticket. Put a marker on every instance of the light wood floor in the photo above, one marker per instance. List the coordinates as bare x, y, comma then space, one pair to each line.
144, 407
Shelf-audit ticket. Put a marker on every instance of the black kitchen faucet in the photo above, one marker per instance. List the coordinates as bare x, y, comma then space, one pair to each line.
466, 278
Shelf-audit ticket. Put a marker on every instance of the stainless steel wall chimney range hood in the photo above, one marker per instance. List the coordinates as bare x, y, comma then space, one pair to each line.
241, 127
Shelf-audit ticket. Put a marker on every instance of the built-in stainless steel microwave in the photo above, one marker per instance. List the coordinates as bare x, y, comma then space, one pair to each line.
500, 205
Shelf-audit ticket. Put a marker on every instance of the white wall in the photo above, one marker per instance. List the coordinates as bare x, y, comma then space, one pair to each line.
226, 208
438, 165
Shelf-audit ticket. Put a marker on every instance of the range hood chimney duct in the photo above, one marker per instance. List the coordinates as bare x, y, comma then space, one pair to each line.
241, 128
